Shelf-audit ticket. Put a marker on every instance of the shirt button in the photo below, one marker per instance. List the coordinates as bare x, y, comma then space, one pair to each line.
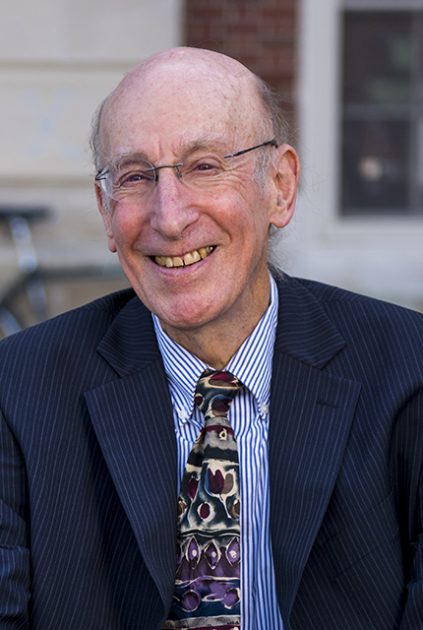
183, 414
264, 409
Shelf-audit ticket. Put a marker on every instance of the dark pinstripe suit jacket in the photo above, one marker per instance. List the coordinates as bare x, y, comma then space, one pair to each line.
88, 467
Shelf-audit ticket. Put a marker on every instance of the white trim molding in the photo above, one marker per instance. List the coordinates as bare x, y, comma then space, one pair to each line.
378, 256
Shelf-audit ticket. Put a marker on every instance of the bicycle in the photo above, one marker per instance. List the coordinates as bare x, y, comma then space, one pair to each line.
25, 300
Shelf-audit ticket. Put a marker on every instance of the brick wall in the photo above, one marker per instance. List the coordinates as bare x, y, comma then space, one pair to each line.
259, 33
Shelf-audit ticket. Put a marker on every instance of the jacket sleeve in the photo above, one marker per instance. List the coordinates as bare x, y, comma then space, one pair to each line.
14, 551
408, 449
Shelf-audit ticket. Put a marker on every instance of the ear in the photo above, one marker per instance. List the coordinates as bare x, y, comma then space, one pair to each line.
285, 184
106, 215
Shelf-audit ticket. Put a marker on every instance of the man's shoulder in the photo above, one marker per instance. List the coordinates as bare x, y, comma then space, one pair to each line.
333, 298
360, 319
84, 325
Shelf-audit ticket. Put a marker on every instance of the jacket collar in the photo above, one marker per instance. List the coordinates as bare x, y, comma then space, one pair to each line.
305, 332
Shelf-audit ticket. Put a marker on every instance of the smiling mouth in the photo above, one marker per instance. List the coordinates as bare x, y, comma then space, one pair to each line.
184, 261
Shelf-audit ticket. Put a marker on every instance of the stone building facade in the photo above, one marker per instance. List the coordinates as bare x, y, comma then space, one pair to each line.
54, 74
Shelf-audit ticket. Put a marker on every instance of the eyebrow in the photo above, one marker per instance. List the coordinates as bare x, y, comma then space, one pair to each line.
128, 158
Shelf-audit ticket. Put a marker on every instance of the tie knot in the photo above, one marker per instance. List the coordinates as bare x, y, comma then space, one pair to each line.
215, 391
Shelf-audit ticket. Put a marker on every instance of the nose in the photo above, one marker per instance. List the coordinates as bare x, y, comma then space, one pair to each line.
171, 209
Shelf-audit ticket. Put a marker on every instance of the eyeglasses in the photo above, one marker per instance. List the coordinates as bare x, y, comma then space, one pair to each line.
134, 176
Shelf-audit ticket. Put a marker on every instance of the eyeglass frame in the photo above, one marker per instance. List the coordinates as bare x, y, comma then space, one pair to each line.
102, 173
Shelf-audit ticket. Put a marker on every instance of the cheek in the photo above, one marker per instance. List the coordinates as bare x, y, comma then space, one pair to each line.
125, 226
253, 221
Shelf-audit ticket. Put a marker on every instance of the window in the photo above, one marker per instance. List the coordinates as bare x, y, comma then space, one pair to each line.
381, 127
359, 222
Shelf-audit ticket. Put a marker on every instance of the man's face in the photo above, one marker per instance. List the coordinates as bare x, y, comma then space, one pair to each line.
223, 228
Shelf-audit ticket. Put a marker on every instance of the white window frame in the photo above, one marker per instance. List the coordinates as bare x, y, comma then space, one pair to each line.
380, 256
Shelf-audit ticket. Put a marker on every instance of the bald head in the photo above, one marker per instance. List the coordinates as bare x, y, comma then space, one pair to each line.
191, 84
191, 61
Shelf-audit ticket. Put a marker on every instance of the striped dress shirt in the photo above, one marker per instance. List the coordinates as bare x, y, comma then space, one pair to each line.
249, 417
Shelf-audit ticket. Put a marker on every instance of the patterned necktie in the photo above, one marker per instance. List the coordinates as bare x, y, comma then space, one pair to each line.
207, 588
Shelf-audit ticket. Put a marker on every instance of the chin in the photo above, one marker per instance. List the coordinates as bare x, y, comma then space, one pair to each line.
186, 319
190, 322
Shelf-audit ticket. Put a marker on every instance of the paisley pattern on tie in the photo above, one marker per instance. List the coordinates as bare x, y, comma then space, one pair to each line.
207, 586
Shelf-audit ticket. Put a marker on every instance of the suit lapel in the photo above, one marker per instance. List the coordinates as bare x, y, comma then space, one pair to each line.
132, 418
310, 418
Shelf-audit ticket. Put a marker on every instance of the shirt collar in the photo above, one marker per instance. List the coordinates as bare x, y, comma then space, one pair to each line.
252, 362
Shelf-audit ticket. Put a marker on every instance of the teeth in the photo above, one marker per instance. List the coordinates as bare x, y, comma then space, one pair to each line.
184, 261
191, 257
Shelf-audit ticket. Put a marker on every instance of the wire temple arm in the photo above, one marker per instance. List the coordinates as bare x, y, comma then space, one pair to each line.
272, 143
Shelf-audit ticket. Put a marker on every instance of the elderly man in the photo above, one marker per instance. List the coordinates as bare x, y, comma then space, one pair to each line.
220, 446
